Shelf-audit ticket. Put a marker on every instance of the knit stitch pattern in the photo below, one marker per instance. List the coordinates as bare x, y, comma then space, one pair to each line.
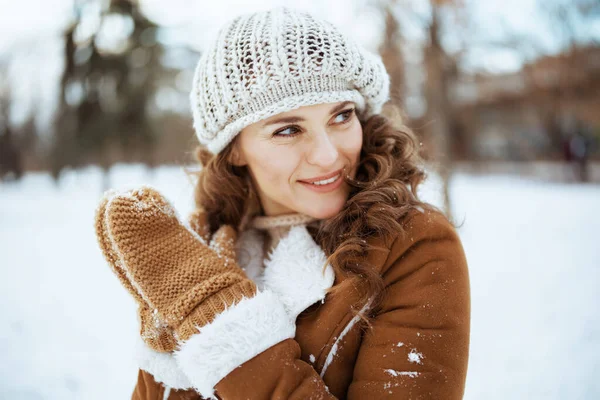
265, 222
180, 281
266, 63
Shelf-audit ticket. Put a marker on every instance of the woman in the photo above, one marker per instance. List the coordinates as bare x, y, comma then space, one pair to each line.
310, 269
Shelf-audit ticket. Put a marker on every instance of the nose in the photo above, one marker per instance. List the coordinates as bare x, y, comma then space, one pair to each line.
323, 152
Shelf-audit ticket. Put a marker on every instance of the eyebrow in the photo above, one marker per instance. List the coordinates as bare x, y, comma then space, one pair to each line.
290, 120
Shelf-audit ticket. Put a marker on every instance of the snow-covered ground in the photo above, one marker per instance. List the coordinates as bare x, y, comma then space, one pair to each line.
533, 248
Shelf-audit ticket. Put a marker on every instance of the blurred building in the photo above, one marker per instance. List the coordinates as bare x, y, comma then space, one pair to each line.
530, 113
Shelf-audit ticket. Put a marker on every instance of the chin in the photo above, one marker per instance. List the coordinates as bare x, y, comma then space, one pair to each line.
326, 211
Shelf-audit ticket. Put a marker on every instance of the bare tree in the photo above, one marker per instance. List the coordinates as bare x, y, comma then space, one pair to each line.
391, 54
440, 67
438, 104
106, 91
11, 165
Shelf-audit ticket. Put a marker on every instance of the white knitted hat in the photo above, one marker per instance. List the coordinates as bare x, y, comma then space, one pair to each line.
266, 63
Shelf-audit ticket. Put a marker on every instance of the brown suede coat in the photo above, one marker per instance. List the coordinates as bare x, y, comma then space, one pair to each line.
417, 346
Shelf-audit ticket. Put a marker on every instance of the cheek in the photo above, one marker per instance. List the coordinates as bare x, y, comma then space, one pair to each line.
272, 166
351, 143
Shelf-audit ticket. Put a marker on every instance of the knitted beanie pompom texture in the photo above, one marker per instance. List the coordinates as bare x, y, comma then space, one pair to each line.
270, 62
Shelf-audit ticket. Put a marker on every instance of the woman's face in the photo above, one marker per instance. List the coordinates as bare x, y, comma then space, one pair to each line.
297, 159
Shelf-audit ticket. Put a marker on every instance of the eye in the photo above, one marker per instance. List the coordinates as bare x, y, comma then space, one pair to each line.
288, 131
346, 116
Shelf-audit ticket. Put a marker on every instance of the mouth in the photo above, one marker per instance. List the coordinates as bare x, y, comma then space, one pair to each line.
324, 179
324, 184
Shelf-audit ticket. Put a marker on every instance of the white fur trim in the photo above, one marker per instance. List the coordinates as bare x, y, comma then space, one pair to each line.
294, 271
235, 336
250, 254
162, 366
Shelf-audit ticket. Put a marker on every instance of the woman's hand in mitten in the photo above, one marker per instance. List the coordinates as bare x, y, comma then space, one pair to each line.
180, 281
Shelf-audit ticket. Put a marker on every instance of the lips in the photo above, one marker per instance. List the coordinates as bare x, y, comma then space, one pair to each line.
322, 177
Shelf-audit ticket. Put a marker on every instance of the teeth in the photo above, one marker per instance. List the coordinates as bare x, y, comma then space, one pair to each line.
326, 181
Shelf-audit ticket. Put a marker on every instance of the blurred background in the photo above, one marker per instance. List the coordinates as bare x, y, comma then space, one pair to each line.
504, 96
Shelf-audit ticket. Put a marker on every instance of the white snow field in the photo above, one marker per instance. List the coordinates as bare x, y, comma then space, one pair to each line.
533, 248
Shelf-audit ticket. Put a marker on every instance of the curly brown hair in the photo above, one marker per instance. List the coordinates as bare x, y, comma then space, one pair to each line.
382, 194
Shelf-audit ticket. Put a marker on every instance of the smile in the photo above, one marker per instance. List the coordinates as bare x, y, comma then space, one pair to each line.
324, 185
327, 181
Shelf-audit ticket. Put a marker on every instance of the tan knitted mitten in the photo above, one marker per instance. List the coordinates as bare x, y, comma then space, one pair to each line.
180, 281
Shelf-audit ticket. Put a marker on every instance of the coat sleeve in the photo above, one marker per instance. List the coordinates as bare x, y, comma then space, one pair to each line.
248, 351
418, 344
416, 348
